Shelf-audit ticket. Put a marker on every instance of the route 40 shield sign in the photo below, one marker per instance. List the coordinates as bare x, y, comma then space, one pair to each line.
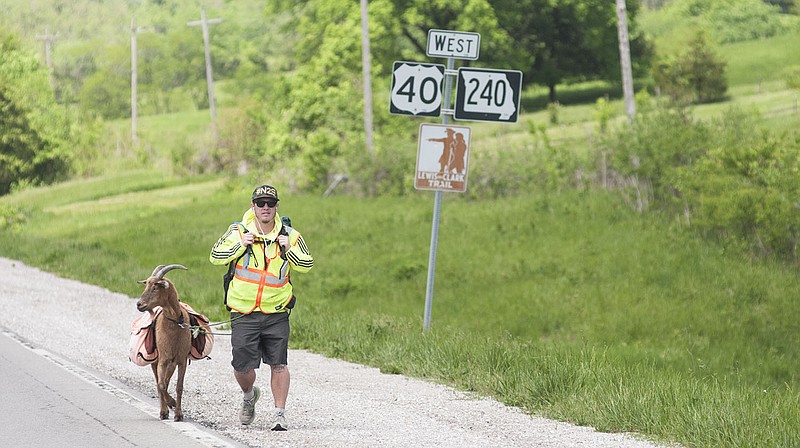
417, 89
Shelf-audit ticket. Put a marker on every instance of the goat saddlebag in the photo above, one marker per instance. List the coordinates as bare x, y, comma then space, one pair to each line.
142, 349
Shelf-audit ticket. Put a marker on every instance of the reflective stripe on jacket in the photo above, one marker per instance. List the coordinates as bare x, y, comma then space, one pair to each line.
263, 284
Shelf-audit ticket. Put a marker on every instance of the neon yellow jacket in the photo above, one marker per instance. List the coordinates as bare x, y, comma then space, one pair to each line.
261, 280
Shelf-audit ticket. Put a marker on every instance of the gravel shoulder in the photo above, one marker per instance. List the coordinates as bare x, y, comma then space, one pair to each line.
332, 403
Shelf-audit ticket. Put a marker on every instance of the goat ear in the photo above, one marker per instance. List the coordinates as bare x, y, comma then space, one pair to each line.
141, 282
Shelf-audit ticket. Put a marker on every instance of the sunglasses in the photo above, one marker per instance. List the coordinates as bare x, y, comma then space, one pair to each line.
270, 203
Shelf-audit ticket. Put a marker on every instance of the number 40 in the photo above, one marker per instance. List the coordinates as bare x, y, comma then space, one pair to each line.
428, 88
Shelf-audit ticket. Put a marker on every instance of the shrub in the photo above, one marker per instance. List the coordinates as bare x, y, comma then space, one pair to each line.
728, 179
693, 76
792, 77
742, 20
744, 188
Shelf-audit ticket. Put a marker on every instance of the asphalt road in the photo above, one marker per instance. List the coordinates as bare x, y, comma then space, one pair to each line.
52, 402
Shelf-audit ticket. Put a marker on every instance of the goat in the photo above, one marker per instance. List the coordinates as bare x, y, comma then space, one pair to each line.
173, 340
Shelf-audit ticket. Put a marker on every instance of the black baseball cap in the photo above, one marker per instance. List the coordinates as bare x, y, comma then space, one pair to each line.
265, 191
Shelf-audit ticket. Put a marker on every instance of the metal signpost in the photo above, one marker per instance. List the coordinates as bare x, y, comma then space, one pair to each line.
443, 150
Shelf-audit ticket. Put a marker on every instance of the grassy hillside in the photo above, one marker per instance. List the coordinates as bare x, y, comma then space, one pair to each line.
568, 305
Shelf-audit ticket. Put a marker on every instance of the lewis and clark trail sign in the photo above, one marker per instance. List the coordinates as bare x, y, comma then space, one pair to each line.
442, 157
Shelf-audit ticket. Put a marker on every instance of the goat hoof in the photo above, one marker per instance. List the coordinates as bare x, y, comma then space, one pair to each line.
164, 415
178, 418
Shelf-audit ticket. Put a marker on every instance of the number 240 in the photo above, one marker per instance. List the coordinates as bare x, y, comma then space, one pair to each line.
493, 93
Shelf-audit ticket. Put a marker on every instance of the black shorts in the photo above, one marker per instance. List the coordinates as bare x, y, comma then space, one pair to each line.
257, 337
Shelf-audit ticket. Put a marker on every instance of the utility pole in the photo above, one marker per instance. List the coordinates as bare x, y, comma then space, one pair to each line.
134, 69
366, 70
203, 22
625, 59
48, 44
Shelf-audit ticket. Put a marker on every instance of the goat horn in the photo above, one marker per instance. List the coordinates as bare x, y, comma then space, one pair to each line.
156, 270
164, 269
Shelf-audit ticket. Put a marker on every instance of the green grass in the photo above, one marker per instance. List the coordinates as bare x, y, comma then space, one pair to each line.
570, 306
755, 62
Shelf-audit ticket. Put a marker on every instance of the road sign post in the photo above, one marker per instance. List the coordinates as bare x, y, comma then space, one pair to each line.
443, 150
437, 211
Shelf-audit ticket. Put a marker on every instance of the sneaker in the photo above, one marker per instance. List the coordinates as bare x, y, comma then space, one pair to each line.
248, 412
279, 422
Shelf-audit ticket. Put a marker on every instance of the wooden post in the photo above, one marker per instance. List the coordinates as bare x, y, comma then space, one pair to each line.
48, 45
625, 59
203, 22
366, 71
134, 112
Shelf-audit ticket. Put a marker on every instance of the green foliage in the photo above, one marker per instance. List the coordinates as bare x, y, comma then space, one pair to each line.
786, 6
695, 75
726, 21
11, 218
654, 145
415, 17
744, 190
604, 111
792, 76
741, 20
572, 40
34, 131
727, 179
100, 94
320, 130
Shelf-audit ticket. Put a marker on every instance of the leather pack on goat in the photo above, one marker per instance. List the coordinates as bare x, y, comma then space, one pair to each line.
173, 340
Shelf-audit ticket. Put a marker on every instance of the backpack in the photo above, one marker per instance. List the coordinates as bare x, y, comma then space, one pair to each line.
142, 345
228, 277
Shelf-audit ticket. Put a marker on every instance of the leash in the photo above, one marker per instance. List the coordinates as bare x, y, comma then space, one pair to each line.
198, 329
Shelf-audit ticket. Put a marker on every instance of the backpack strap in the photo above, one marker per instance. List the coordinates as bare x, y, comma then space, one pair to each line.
247, 252
228, 277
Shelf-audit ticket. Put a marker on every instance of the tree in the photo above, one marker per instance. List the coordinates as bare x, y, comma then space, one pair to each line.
557, 41
33, 128
693, 76
416, 17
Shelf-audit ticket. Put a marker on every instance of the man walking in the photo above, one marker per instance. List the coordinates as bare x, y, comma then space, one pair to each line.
264, 252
